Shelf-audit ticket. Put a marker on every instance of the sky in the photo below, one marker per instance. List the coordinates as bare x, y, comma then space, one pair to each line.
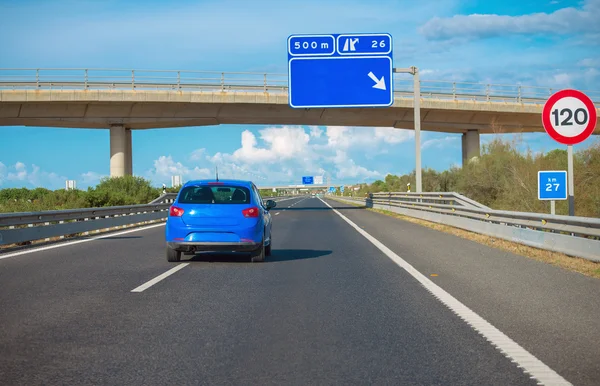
539, 43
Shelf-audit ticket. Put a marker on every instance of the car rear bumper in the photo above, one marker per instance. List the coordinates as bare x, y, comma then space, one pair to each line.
194, 246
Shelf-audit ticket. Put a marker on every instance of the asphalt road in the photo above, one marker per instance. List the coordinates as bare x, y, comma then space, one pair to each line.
329, 307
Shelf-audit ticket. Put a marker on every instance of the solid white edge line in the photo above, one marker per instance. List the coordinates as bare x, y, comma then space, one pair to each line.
66, 244
528, 363
160, 277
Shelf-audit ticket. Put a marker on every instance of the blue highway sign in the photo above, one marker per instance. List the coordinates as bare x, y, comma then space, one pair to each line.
552, 185
364, 44
308, 180
314, 45
340, 70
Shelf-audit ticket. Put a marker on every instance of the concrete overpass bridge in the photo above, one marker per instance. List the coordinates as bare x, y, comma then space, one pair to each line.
301, 187
125, 100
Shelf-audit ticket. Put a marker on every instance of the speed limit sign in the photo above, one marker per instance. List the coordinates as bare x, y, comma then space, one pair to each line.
569, 117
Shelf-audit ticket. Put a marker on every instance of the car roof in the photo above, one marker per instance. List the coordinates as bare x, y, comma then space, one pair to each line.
245, 183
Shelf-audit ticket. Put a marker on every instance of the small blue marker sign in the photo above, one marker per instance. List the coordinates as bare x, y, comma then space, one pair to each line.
552, 185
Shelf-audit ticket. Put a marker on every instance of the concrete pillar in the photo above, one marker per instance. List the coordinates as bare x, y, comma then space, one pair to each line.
120, 151
128, 153
470, 145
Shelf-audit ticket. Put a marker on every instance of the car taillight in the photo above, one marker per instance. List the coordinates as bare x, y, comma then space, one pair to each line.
175, 211
250, 212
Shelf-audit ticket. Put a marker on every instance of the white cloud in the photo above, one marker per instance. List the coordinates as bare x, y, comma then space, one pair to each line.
165, 167
284, 154
315, 132
198, 155
440, 143
91, 178
342, 137
562, 21
585, 79
347, 168
20, 173
2, 173
124, 30
590, 62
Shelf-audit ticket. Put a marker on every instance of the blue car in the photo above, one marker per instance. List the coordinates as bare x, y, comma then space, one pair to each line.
219, 215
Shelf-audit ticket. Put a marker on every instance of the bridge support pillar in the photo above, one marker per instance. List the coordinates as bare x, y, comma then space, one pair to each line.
120, 151
470, 145
128, 154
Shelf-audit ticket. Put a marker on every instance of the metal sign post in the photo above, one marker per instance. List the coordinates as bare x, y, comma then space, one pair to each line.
569, 117
414, 71
571, 183
552, 186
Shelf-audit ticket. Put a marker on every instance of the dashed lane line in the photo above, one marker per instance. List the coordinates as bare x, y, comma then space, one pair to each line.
160, 277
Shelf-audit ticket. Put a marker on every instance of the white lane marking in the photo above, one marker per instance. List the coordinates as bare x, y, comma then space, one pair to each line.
285, 199
524, 359
277, 213
160, 277
60, 245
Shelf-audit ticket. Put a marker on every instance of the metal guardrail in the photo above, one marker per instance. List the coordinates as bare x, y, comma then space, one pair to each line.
166, 198
574, 236
16, 228
112, 79
26, 227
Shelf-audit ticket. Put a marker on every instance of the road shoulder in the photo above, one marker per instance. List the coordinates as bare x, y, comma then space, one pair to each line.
538, 305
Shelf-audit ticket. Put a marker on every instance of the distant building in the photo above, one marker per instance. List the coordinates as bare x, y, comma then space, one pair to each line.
176, 181
71, 185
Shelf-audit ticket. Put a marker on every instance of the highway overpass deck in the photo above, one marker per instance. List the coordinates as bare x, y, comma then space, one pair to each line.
160, 99
329, 306
123, 101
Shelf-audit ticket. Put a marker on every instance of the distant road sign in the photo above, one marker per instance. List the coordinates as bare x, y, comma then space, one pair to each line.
308, 180
318, 180
340, 70
569, 117
342, 188
552, 185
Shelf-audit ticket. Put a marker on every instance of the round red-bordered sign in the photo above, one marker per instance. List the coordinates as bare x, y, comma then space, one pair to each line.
569, 117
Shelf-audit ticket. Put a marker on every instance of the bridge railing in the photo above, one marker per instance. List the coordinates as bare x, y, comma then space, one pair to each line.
178, 80
27, 227
571, 235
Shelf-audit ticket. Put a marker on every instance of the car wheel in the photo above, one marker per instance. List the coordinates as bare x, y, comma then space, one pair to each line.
173, 256
259, 256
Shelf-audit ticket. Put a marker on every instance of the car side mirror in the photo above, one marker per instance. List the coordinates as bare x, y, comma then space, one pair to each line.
270, 204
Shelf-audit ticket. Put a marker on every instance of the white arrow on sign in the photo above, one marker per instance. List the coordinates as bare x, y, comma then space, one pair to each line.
379, 83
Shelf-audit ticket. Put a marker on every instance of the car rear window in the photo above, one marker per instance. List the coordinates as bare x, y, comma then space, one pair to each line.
221, 194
